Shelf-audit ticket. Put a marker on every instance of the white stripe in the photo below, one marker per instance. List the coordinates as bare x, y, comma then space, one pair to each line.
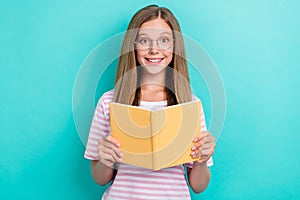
101, 127
107, 101
91, 149
147, 197
132, 179
93, 142
173, 187
153, 174
138, 170
94, 135
150, 192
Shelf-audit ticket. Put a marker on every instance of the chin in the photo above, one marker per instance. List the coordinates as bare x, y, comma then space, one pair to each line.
154, 69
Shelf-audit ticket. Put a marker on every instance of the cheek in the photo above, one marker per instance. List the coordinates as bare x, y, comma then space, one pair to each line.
139, 56
169, 58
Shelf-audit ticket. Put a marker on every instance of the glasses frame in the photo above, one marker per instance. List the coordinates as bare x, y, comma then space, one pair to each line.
151, 46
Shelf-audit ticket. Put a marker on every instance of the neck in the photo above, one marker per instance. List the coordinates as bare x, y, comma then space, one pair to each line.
153, 86
156, 80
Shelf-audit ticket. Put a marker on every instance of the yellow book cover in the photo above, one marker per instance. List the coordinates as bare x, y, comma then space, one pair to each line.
156, 139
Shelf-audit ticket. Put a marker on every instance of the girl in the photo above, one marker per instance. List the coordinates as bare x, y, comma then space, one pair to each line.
154, 42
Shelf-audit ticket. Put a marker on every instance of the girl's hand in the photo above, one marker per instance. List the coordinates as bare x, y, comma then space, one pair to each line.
204, 147
108, 151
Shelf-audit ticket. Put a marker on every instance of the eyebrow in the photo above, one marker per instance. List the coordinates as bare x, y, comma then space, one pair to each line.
160, 33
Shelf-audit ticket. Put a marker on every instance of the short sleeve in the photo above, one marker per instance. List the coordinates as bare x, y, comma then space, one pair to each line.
203, 128
100, 126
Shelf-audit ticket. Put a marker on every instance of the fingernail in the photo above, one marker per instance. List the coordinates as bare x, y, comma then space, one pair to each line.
193, 153
193, 148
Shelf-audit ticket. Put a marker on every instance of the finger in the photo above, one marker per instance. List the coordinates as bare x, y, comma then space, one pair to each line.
207, 145
196, 149
106, 163
113, 144
206, 158
105, 160
197, 145
109, 159
195, 154
110, 149
208, 141
207, 151
200, 136
112, 140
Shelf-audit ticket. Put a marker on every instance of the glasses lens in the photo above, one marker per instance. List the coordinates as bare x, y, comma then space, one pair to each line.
163, 43
143, 43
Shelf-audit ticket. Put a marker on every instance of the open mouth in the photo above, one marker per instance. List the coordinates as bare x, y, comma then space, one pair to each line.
154, 60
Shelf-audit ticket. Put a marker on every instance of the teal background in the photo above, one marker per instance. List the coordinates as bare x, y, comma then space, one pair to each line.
255, 45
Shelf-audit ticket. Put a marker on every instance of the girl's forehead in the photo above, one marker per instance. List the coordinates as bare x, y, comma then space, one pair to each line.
155, 26
154, 32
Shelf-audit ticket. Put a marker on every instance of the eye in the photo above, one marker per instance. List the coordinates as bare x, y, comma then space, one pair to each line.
144, 41
164, 40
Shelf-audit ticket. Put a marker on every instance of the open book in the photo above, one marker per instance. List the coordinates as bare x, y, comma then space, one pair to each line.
156, 139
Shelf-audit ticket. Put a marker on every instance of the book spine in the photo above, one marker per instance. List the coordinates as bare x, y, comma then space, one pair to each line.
155, 139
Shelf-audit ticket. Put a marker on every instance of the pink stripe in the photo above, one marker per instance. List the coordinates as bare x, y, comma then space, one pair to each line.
90, 156
106, 102
100, 120
108, 94
94, 136
107, 97
153, 194
99, 109
90, 144
157, 188
150, 182
95, 127
149, 176
103, 123
115, 196
99, 116
98, 129
92, 150
100, 134
130, 167
189, 165
169, 172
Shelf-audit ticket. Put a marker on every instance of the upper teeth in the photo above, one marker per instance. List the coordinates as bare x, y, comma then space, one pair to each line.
154, 60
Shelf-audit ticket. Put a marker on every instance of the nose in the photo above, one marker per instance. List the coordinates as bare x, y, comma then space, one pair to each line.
153, 51
153, 48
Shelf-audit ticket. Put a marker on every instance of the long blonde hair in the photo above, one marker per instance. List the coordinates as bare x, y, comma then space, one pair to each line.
177, 87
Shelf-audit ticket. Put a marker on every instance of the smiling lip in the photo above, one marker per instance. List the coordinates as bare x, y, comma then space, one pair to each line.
154, 61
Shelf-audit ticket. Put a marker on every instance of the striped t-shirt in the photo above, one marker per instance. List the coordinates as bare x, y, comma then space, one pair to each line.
132, 182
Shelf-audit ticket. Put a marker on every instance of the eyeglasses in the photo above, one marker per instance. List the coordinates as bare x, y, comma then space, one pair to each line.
145, 43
